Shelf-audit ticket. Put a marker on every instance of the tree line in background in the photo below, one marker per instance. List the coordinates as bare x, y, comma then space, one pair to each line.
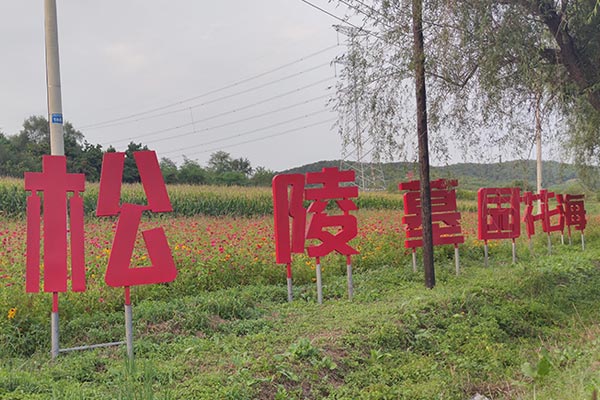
23, 152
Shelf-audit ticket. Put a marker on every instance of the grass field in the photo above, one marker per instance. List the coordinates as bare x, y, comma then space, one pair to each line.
224, 330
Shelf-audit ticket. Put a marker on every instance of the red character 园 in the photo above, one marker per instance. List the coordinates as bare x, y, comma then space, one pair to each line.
498, 213
118, 272
54, 182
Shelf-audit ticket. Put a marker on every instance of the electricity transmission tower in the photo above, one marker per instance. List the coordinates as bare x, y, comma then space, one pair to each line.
356, 154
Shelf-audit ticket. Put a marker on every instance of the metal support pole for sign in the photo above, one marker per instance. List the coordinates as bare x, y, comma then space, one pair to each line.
289, 282
128, 323
562, 238
549, 244
456, 259
414, 259
582, 241
485, 252
54, 349
319, 282
514, 252
349, 276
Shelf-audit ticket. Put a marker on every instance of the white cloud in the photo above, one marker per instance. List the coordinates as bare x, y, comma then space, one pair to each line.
125, 58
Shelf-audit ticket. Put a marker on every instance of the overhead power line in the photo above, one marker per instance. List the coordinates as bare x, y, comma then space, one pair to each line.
198, 132
248, 106
249, 132
218, 99
229, 86
330, 120
345, 21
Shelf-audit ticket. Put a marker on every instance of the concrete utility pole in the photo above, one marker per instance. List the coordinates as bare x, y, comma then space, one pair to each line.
538, 145
55, 119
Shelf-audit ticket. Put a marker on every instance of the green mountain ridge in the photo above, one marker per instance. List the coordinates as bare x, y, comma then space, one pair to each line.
471, 176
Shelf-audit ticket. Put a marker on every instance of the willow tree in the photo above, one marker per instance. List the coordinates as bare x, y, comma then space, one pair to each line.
488, 63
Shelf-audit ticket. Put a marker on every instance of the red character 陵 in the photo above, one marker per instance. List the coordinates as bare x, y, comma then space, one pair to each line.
54, 182
118, 272
321, 224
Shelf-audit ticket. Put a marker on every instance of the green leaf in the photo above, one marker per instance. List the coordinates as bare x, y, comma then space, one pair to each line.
543, 367
528, 370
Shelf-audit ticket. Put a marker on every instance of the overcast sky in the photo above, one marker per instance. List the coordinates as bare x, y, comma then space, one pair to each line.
257, 72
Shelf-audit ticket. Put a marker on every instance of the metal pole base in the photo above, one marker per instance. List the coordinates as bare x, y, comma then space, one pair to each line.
289, 289
54, 339
129, 330
486, 256
350, 283
456, 260
414, 260
514, 252
319, 285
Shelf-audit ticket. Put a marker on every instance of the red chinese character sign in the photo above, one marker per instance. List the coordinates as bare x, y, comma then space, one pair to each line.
332, 233
553, 219
575, 218
445, 218
498, 216
119, 271
55, 183
288, 196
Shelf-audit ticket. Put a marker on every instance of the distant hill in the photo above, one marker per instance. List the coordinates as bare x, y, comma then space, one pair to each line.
472, 176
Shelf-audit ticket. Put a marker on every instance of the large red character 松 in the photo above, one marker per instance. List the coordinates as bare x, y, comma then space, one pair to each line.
119, 273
